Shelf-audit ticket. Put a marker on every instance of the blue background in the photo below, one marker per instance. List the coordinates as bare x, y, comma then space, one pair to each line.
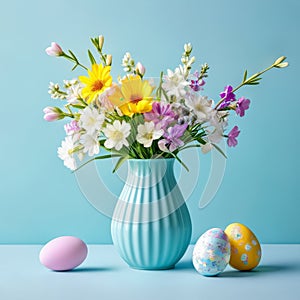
40, 198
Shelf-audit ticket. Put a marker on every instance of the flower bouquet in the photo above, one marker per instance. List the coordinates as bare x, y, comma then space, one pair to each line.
132, 118
147, 123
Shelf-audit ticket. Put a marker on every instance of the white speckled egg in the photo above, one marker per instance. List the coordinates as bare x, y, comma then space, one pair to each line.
212, 252
63, 253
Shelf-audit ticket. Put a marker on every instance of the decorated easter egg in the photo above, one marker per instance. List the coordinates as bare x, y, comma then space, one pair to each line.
63, 253
245, 248
211, 252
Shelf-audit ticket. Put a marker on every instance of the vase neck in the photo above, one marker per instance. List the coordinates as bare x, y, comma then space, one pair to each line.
145, 172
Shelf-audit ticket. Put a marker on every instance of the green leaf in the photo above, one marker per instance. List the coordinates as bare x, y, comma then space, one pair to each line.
220, 150
78, 106
75, 66
165, 94
252, 83
190, 146
92, 58
253, 77
95, 42
179, 160
96, 158
120, 162
73, 55
245, 76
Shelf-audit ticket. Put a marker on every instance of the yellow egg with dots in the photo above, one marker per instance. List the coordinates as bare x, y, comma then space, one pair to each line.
245, 247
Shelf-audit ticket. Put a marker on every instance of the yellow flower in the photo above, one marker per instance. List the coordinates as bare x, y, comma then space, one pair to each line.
98, 81
133, 96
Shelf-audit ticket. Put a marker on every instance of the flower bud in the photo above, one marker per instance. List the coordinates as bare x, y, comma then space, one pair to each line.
187, 47
279, 60
184, 60
192, 60
101, 41
54, 50
282, 65
52, 113
108, 60
140, 69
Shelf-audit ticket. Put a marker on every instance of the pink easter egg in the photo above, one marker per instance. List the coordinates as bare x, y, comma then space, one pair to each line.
63, 253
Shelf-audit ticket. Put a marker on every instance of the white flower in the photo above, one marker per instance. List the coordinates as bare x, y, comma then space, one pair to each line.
65, 152
200, 107
56, 92
148, 132
174, 83
116, 134
69, 83
90, 144
74, 93
91, 120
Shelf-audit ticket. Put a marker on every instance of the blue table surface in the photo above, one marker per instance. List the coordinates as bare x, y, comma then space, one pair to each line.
104, 275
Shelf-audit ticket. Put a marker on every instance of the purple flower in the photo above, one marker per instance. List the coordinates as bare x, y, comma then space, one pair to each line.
197, 83
172, 139
232, 141
161, 114
71, 127
242, 105
228, 96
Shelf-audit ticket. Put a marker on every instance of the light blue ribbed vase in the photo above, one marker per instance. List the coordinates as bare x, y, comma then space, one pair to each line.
151, 226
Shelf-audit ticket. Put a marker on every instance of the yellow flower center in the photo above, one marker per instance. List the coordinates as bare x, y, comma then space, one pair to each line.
97, 85
135, 98
148, 136
117, 135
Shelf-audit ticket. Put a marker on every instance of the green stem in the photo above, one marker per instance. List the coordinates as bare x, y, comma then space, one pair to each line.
75, 60
247, 81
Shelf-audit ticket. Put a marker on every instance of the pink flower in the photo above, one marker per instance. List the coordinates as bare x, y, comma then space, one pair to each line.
71, 127
140, 69
161, 114
54, 50
52, 114
242, 105
232, 135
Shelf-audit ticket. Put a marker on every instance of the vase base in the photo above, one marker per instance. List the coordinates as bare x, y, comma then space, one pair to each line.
152, 268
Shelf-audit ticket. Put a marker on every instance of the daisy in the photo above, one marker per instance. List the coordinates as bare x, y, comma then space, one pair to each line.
91, 120
90, 144
147, 133
65, 152
116, 134
98, 81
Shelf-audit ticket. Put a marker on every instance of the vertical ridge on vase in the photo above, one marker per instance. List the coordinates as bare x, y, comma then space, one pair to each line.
151, 226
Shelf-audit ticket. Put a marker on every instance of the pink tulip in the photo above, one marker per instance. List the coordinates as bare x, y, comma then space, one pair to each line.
54, 50
52, 114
